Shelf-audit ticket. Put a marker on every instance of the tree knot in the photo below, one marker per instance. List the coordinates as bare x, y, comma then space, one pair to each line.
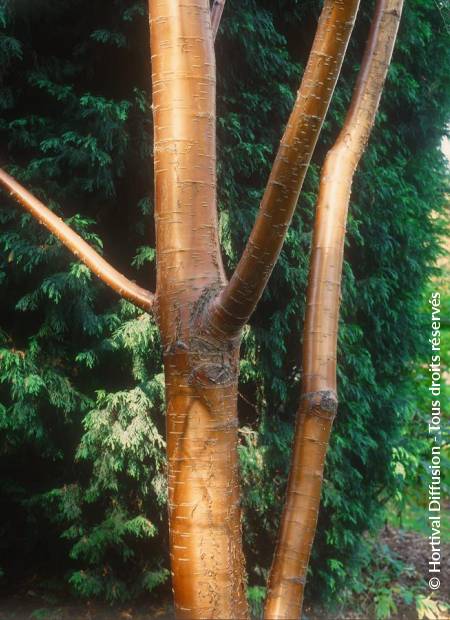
322, 403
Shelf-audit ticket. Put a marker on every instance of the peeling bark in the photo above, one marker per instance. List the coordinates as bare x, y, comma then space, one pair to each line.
318, 402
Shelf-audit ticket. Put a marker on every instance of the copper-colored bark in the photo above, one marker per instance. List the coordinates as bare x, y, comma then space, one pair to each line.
236, 302
207, 562
216, 15
318, 401
82, 250
200, 316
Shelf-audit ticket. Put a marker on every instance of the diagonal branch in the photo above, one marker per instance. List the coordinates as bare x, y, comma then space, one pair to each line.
318, 402
110, 276
235, 304
216, 16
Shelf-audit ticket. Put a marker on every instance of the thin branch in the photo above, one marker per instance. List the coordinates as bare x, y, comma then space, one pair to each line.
110, 276
216, 16
318, 402
235, 304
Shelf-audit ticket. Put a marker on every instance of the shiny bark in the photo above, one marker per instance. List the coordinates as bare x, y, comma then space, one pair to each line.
235, 304
201, 355
82, 250
208, 574
318, 402
199, 314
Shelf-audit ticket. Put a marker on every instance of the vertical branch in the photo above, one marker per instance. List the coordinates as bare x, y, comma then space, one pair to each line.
235, 304
318, 402
216, 16
184, 89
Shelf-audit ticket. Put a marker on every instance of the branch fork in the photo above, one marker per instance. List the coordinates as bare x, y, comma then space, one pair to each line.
201, 315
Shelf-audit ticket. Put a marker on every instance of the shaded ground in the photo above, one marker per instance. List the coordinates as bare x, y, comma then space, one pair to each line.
414, 549
411, 548
20, 608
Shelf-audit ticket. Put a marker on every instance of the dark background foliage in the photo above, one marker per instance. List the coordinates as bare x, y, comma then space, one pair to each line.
81, 386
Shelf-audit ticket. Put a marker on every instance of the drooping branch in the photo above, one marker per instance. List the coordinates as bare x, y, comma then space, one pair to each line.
234, 305
216, 16
82, 250
318, 402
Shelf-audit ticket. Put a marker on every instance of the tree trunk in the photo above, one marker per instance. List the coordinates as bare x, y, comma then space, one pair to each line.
201, 315
200, 368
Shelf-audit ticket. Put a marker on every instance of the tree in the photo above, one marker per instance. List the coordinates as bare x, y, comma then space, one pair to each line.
201, 322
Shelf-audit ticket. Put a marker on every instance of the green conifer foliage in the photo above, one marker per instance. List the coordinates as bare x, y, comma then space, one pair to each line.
81, 384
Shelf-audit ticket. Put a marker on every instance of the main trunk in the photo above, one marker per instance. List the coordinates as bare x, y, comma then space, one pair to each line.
200, 367
205, 531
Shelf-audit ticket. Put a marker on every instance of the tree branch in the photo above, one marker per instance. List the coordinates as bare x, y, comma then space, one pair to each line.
110, 276
318, 402
216, 16
235, 304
